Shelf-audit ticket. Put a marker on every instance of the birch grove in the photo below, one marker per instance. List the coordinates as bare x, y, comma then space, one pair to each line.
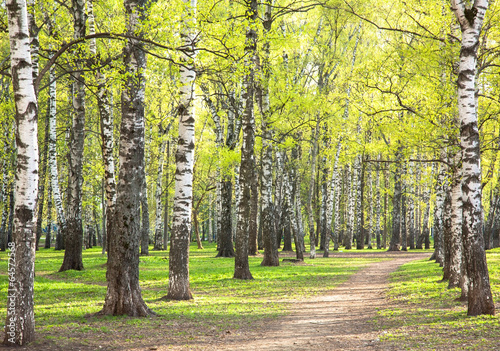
317, 126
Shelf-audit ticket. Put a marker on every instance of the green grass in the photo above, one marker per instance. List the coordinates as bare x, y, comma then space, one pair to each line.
62, 300
426, 315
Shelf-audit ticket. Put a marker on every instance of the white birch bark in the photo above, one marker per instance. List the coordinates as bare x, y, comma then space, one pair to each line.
471, 19
351, 200
438, 216
158, 192
178, 287
334, 190
371, 227
378, 205
310, 216
20, 320
271, 256
456, 247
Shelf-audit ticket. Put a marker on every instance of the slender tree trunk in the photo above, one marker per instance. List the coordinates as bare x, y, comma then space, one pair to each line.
371, 215
54, 174
123, 295
447, 228
254, 214
105, 105
271, 256
144, 215
351, 203
396, 205
41, 183
225, 234
378, 210
20, 320
334, 190
360, 216
291, 194
48, 235
310, 214
178, 287
159, 211
438, 217
404, 224
456, 230
166, 209
74, 235
241, 267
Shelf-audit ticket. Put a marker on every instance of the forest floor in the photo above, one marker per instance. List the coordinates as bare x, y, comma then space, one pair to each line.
369, 311
340, 320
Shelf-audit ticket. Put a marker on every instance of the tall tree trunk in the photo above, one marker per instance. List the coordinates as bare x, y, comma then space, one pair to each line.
379, 209
271, 256
48, 235
178, 283
144, 215
225, 232
166, 207
438, 217
54, 174
351, 203
105, 105
456, 228
41, 183
371, 214
396, 205
20, 320
241, 267
291, 189
74, 235
404, 223
123, 295
334, 190
254, 214
447, 228
158, 218
360, 217
310, 214
480, 300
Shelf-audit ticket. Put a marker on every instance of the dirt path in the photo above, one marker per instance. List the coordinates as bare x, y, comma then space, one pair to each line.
337, 321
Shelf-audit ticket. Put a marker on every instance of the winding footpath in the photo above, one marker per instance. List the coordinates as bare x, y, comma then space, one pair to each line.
337, 321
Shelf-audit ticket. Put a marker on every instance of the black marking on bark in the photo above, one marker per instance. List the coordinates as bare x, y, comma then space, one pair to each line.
470, 14
466, 51
24, 214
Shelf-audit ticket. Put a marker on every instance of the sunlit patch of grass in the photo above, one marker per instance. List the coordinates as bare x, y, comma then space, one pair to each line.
426, 315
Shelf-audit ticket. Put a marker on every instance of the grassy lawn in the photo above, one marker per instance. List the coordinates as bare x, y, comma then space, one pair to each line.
221, 304
424, 314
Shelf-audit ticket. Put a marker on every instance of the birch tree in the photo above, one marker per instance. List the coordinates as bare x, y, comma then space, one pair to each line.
123, 295
241, 267
20, 320
470, 18
74, 235
178, 280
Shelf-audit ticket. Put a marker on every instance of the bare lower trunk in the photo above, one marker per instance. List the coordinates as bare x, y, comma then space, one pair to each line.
225, 235
456, 247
